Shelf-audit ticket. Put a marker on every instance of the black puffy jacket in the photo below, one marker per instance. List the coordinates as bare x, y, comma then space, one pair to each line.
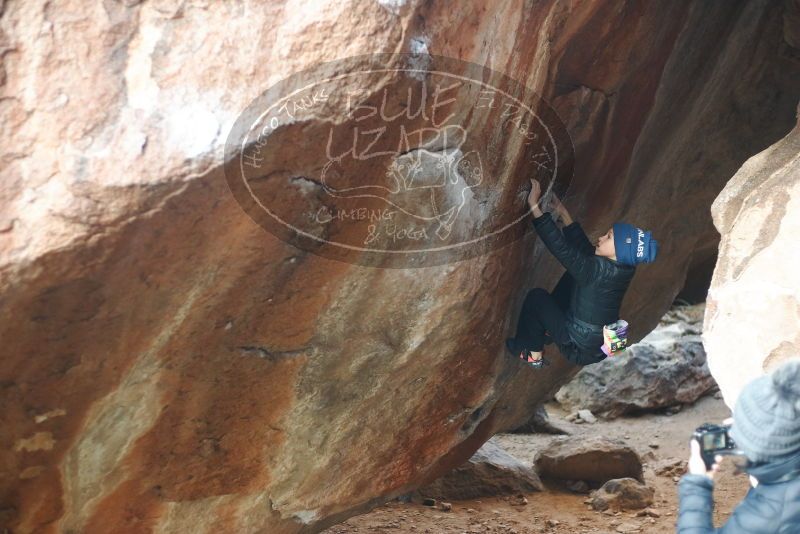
772, 507
600, 282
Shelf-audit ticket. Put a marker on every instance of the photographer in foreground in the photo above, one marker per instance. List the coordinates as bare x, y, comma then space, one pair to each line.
766, 431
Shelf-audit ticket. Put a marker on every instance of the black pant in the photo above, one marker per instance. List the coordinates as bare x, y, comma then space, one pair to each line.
542, 312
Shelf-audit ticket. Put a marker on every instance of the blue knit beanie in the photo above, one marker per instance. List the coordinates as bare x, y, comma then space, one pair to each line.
766, 418
634, 245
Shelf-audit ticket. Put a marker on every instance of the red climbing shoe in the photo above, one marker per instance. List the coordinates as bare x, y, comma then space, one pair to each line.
518, 351
536, 364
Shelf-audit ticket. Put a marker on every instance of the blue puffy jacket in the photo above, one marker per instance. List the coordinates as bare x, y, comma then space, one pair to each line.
772, 507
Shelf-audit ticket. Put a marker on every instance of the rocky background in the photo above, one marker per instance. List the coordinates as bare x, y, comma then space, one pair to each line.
617, 475
614, 466
666, 369
168, 365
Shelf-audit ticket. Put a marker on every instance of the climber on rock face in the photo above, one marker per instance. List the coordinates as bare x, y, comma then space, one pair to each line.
590, 292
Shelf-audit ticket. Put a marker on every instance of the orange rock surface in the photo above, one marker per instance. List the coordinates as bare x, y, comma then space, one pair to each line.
169, 366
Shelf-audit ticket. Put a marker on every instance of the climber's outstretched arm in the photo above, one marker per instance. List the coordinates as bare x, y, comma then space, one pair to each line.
575, 234
582, 267
572, 229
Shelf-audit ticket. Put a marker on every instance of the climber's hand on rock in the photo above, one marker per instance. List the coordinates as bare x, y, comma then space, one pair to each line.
696, 464
556, 205
534, 197
559, 208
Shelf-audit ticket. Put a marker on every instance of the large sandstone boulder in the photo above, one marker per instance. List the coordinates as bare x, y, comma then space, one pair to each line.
666, 368
752, 320
490, 471
167, 365
597, 459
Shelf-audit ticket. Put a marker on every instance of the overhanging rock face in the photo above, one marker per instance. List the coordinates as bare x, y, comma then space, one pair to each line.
167, 365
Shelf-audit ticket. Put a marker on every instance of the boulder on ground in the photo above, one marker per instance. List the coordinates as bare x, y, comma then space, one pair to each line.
595, 459
490, 471
666, 368
622, 494
751, 323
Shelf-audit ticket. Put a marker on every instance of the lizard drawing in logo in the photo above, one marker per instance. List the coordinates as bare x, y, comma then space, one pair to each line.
430, 181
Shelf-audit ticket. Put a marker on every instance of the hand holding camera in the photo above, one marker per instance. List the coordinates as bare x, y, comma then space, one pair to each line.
697, 465
708, 445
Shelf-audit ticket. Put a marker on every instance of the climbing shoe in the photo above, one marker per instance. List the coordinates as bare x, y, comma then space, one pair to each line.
536, 364
518, 351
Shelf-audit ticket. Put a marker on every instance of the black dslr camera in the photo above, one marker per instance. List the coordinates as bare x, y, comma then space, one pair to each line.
714, 440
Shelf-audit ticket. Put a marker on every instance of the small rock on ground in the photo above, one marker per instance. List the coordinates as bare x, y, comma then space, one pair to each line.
622, 494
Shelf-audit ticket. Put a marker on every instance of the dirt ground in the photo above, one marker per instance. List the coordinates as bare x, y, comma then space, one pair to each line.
656, 437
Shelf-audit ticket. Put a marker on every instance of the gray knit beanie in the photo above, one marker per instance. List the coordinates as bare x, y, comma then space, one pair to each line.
766, 418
